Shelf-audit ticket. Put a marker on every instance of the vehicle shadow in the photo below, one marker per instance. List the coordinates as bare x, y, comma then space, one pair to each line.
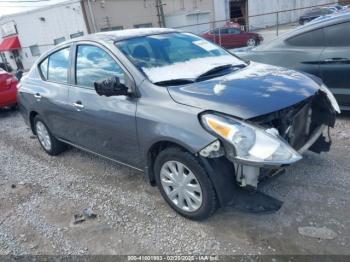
7, 112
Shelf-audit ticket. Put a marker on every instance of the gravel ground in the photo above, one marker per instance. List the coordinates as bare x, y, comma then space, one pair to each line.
39, 196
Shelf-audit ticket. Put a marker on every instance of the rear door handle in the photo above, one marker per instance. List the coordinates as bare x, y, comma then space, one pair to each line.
37, 96
78, 105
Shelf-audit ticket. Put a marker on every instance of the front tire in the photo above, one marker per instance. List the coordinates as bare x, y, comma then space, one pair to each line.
48, 142
251, 42
185, 184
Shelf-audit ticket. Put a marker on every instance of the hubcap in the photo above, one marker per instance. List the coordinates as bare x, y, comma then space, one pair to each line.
251, 42
43, 135
181, 186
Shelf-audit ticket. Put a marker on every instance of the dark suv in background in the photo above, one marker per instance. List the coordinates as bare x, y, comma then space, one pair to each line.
196, 119
315, 13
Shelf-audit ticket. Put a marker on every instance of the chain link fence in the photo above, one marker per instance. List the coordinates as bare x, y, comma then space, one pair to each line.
267, 25
234, 33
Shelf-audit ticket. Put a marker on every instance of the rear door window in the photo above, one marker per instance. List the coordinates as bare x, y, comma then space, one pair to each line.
338, 35
220, 31
234, 31
313, 38
58, 65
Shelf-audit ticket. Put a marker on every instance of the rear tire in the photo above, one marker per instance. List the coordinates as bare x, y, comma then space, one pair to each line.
186, 187
48, 142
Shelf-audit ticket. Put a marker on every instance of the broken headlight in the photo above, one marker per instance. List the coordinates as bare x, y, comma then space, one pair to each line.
252, 144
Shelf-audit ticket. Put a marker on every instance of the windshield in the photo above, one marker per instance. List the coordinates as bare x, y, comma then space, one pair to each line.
174, 56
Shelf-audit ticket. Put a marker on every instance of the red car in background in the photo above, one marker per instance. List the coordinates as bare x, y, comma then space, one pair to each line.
232, 37
8, 89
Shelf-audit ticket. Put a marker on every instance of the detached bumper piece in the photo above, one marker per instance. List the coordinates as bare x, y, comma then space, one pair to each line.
254, 202
321, 145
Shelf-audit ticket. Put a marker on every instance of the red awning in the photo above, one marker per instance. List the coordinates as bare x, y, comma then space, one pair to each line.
10, 43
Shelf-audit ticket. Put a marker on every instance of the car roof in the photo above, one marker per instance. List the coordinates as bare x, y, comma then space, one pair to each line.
120, 35
311, 26
110, 37
327, 20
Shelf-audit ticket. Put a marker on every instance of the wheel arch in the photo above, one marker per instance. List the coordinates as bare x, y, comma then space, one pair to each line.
153, 151
220, 170
32, 116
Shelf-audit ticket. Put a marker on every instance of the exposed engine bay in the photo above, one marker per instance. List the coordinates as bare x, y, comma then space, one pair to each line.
301, 125
296, 124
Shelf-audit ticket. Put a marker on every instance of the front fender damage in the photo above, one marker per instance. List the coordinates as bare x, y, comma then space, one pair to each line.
230, 194
302, 126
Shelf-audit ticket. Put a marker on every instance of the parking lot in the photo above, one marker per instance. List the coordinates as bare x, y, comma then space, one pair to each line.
40, 195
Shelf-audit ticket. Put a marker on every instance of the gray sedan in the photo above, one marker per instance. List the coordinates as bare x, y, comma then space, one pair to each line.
200, 122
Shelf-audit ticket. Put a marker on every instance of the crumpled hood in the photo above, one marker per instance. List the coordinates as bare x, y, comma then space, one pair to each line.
256, 90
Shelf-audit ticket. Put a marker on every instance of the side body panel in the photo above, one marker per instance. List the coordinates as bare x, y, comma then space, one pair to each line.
50, 101
160, 119
106, 125
335, 72
300, 59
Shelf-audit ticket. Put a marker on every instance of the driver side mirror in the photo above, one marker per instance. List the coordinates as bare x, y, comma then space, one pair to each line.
111, 87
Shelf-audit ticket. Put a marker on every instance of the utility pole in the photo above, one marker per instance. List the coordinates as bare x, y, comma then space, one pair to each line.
160, 13
92, 16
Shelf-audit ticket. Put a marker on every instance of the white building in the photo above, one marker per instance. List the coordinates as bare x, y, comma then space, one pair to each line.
28, 34
105, 15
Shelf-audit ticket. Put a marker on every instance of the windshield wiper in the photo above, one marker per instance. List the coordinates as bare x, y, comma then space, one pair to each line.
175, 82
216, 70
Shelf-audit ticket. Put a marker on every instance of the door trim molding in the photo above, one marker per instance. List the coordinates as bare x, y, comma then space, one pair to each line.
97, 154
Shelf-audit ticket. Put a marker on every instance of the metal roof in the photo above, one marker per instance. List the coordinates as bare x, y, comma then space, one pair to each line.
120, 35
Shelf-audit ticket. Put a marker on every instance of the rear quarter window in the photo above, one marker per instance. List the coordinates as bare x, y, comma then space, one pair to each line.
313, 38
338, 35
55, 67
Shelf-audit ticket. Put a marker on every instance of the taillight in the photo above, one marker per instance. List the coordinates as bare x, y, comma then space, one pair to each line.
9, 81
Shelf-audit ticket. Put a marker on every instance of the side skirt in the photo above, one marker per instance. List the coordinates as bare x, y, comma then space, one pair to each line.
97, 154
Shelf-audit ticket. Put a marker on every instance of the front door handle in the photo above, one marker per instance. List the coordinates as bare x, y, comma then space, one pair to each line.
78, 105
37, 96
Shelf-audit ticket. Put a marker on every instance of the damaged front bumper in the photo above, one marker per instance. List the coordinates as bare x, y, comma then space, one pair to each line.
250, 176
301, 126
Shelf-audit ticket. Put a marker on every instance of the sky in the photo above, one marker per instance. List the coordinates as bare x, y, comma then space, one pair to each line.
16, 6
